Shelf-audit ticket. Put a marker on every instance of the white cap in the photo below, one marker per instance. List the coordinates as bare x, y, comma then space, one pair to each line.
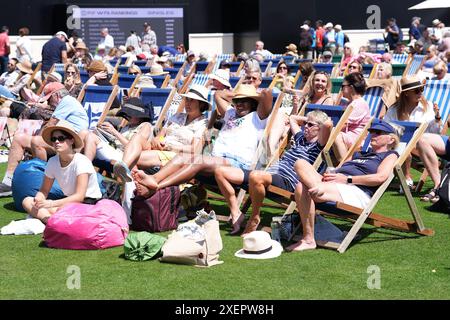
338, 26
62, 33
223, 76
436, 22
329, 25
305, 26
101, 46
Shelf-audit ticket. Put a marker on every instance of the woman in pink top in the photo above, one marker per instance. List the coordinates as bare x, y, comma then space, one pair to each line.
353, 88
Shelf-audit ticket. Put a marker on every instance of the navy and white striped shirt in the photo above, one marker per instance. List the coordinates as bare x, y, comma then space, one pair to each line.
302, 149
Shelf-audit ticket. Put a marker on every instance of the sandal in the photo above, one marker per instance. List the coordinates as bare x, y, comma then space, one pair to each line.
251, 226
431, 196
237, 225
121, 170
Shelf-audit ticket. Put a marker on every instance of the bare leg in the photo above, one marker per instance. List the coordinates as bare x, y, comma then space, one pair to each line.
204, 164
19, 143
148, 159
39, 148
305, 201
136, 145
42, 214
225, 177
339, 147
258, 182
91, 142
429, 146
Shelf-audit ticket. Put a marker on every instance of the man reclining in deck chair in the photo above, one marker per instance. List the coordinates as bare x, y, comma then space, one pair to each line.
244, 124
354, 183
309, 142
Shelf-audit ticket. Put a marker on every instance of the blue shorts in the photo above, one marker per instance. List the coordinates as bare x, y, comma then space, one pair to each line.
277, 180
446, 140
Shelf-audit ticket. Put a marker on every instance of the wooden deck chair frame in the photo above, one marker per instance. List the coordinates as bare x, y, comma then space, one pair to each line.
33, 75
323, 156
366, 215
411, 60
162, 115
112, 96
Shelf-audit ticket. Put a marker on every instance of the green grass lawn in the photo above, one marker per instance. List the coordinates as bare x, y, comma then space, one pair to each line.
411, 267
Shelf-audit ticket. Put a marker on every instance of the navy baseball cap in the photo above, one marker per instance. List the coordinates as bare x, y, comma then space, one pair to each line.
382, 126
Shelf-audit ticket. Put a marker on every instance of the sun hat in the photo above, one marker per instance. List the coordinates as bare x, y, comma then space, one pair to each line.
292, 47
259, 245
223, 76
246, 91
62, 33
82, 46
54, 76
96, 66
329, 25
411, 82
435, 22
65, 126
198, 92
382, 126
123, 48
157, 70
327, 54
25, 67
101, 46
338, 26
50, 89
190, 53
134, 107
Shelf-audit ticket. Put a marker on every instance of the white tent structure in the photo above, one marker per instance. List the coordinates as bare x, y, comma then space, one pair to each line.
431, 4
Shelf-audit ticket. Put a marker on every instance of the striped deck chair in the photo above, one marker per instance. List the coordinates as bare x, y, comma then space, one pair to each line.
326, 67
373, 97
436, 91
160, 99
97, 101
180, 58
220, 58
200, 78
399, 58
414, 65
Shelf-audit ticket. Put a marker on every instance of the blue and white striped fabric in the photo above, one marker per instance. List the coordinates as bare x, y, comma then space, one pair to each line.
180, 58
415, 64
399, 58
94, 102
373, 98
438, 91
200, 78
220, 58
273, 57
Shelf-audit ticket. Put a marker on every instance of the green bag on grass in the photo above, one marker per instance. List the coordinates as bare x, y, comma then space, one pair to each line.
142, 246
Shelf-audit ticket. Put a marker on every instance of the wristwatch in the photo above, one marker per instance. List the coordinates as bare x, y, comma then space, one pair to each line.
349, 179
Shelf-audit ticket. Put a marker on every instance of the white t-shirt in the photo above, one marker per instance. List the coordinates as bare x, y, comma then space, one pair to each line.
239, 137
25, 44
180, 134
419, 114
67, 176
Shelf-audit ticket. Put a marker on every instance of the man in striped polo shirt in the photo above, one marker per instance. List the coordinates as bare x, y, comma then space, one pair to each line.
309, 142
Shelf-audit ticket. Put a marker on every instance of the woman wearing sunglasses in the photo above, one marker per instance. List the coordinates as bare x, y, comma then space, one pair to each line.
72, 80
74, 173
412, 106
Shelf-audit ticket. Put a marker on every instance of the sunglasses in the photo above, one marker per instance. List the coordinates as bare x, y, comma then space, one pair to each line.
345, 85
282, 68
310, 124
251, 78
70, 72
59, 138
377, 132
418, 90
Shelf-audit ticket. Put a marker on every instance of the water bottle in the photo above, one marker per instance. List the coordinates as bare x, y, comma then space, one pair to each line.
330, 170
276, 228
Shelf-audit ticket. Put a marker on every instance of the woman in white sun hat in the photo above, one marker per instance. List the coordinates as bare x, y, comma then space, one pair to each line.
183, 133
73, 171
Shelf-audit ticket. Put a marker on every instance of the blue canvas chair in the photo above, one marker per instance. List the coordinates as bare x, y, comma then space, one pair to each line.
399, 58
373, 97
414, 65
97, 101
161, 100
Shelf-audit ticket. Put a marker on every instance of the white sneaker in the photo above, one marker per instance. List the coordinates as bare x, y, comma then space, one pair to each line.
5, 190
410, 184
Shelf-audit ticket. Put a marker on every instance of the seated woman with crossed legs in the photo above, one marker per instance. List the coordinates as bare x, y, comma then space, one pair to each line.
354, 183
309, 142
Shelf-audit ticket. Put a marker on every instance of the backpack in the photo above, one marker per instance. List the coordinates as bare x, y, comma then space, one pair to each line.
157, 213
443, 204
